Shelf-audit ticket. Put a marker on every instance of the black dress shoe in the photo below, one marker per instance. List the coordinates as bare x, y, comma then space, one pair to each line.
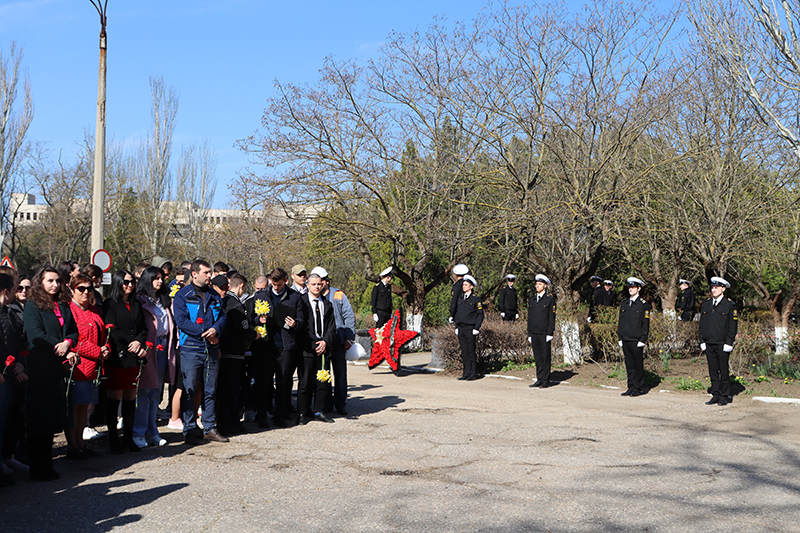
264, 423
544, 385
302, 420
192, 439
534, 385
280, 422
626, 393
635, 392
462, 378
341, 410
131, 446
216, 436
723, 401
322, 418
713, 400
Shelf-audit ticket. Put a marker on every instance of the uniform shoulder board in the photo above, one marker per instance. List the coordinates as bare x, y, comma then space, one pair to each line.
735, 314
647, 314
338, 295
480, 305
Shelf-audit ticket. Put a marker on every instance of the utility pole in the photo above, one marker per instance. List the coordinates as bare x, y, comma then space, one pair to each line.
99, 189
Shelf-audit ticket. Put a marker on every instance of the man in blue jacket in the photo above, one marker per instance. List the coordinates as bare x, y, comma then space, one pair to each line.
200, 319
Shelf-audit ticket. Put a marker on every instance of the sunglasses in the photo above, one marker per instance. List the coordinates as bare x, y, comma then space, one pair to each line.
128, 281
22, 288
82, 288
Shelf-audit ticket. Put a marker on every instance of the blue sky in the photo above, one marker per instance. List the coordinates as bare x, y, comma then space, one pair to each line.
221, 56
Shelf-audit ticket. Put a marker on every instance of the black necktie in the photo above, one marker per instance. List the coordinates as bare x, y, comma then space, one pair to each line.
318, 317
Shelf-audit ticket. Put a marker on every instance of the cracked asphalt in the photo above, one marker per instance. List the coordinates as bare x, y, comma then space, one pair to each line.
425, 452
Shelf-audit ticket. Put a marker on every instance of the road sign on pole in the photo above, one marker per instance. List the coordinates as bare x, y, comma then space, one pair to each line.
102, 259
6, 262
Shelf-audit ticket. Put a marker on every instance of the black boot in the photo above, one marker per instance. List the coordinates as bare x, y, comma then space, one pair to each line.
112, 406
128, 412
47, 456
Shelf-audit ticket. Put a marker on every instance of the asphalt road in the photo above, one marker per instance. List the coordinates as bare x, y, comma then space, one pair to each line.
424, 452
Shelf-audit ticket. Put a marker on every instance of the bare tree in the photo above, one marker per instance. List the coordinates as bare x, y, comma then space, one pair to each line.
196, 186
152, 167
755, 40
14, 122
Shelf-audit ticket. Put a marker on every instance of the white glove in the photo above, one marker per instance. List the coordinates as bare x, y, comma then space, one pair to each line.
516, 317
375, 317
702, 347
450, 320
640, 345
475, 331
529, 340
589, 319
620, 344
548, 338
456, 331
727, 348
503, 315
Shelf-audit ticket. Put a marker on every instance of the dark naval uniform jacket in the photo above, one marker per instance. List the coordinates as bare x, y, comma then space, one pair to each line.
456, 294
382, 302
469, 312
718, 324
634, 320
507, 302
686, 305
542, 315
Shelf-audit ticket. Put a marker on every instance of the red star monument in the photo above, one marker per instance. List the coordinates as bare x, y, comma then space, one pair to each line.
388, 341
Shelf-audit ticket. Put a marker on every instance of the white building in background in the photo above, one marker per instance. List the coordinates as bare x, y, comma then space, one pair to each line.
24, 210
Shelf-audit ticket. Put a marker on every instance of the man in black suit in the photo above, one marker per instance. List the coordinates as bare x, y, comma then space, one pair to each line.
633, 330
541, 325
318, 345
719, 322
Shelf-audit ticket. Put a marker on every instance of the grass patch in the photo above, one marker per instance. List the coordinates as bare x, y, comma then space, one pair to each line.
688, 384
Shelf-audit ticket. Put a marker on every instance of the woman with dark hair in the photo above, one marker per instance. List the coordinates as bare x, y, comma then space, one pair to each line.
9, 348
52, 336
160, 356
14, 449
95, 273
92, 350
123, 314
67, 270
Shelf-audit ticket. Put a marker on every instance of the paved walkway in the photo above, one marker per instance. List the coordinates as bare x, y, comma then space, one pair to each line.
424, 452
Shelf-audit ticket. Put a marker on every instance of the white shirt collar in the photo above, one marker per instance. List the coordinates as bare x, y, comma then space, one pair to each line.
634, 298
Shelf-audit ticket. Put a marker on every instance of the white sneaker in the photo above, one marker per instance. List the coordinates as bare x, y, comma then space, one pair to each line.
155, 440
119, 423
92, 434
175, 424
140, 442
16, 466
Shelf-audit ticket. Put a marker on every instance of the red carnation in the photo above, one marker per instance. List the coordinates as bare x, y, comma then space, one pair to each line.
149, 345
10, 360
160, 347
109, 327
199, 320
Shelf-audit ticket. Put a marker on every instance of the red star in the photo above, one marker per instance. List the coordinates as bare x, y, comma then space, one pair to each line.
388, 341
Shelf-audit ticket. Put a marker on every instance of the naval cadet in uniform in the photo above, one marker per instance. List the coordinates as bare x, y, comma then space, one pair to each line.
596, 298
468, 319
382, 299
460, 270
685, 303
507, 300
633, 330
719, 321
541, 325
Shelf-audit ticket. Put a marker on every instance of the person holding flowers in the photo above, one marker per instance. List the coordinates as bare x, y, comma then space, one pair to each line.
315, 370
160, 346
52, 337
200, 318
92, 350
239, 334
124, 317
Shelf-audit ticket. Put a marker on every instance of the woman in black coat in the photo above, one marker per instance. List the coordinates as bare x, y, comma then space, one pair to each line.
52, 335
123, 314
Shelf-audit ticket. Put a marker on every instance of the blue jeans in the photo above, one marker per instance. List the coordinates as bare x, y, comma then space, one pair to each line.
144, 421
199, 365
